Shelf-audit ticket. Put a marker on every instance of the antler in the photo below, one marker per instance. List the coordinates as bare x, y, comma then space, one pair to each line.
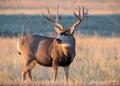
57, 15
52, 21
80, 18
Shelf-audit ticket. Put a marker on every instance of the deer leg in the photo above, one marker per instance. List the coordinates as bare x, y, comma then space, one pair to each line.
66, 70
23, 74
28, 74
32, 65
25, 68
24, 71
55, 69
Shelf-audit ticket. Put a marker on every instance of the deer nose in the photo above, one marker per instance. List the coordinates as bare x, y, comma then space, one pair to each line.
59, 41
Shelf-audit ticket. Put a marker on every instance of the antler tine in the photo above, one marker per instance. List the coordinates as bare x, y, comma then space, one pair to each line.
78, 22
77, 16
86, 13
57, 16
48, 12
79, 12
80, 18
83, 13
52, 21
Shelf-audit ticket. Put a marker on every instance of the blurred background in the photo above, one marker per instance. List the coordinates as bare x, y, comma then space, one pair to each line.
66, 6
24, 16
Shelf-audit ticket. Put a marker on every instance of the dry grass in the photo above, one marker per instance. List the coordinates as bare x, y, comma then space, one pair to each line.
94, 64
38, 6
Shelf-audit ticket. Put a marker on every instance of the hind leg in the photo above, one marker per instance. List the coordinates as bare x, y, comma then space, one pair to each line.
25, 68
32, 65
29, 75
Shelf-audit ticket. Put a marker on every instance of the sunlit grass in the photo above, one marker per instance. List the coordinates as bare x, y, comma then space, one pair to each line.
94, 63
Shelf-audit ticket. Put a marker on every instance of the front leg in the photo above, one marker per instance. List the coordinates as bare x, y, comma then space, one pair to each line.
55, 69
66, 71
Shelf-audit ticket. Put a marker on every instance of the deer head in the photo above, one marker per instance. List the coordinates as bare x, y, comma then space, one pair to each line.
65, 36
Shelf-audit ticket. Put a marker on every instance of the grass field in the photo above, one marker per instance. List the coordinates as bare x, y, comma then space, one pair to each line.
97, 63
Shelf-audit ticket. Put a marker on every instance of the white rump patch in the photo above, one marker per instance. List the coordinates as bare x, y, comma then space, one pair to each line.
18, 46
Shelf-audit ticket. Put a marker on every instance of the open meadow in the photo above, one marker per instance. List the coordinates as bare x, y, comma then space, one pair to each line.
97, 63
97, 60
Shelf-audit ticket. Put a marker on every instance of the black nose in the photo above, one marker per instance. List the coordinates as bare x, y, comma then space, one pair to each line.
59, 41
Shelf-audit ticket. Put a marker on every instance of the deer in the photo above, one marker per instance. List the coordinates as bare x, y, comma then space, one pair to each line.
47, 51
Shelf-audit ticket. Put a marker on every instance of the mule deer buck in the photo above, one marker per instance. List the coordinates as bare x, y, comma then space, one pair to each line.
48, 51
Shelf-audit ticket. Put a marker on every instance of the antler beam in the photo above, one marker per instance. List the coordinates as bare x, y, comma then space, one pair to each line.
80, 18
52, 21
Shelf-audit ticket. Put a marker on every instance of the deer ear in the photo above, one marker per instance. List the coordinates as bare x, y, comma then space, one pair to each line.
57, 30
71, 30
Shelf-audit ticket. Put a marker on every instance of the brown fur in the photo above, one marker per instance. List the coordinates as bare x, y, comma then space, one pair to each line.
44, 51
47, 51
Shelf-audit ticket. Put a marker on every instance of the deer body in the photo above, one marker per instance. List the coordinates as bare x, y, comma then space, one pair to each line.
47, 51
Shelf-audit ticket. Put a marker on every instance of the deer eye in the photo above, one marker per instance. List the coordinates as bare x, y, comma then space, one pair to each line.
59, 41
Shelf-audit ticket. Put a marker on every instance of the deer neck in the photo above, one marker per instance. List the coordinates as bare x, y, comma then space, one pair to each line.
68, 49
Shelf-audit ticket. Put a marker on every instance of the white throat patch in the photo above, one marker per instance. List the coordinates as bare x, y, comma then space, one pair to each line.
66, 45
